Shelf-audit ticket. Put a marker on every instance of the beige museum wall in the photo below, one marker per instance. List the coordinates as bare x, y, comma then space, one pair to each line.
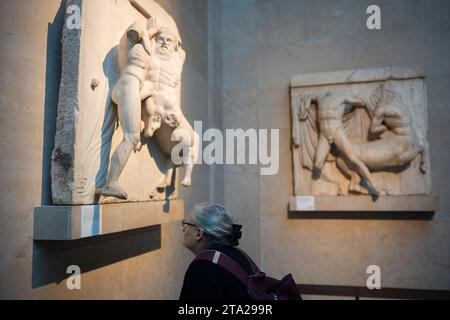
252, 48
263, 43
142, 264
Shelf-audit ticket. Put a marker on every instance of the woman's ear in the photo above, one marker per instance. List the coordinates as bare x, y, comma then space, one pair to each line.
199, 234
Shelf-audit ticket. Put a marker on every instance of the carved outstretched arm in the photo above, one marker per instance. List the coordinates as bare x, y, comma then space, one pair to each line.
305, 106
137, 33
377, 127
153, 28
355, 101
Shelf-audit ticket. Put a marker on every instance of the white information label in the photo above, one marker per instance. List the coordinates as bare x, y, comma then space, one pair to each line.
305, 203
91, 221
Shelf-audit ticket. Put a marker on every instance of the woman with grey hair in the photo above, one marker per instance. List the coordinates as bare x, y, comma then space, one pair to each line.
212, 227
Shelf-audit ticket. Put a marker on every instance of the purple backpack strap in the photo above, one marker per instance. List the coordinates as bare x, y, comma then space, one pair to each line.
225, 262
252, 263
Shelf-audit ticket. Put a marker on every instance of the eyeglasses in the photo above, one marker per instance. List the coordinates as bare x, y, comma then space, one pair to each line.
184, 222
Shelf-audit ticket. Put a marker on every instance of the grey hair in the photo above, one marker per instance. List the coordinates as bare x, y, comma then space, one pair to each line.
216, 222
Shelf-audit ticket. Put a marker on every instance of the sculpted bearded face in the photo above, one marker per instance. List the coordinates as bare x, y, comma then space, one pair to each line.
165, 44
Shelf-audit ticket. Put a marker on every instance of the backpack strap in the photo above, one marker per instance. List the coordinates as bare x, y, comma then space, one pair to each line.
225, 262
252, 263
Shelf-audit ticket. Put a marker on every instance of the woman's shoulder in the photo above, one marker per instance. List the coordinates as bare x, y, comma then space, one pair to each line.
199, 266
237, 255
201, 281
207, 280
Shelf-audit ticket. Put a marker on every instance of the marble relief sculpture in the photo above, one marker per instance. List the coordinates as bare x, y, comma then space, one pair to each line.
345, 136
120, 112
151, 61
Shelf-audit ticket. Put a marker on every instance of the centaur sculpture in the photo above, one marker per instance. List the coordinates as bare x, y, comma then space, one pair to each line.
333, 127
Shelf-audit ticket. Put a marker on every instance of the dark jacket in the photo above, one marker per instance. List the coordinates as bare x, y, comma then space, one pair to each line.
205, 280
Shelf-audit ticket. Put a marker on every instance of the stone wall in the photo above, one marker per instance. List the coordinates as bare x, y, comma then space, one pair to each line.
264, 43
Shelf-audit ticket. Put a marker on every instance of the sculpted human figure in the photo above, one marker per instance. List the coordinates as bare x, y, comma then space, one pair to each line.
151, 62
330, 111
305, 136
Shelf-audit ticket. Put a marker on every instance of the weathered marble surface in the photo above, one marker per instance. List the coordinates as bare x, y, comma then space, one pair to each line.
368, 125
87, 126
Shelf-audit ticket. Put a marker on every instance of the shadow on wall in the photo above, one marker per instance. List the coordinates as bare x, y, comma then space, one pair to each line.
359, 215
51, 258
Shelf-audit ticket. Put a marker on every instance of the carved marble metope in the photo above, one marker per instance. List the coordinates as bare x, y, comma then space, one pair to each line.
120, 104
360, 132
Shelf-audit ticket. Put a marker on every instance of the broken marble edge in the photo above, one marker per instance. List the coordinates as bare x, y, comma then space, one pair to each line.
357, 76
64, 155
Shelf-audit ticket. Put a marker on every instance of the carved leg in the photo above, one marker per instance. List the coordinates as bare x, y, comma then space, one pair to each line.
190, 160
187, 175
410, 155
167, 180
118, 161
129, 109
323, 148
355, 179
188, 164
345, 146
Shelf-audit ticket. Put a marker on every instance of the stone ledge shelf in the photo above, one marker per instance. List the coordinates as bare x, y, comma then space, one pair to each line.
407, 203
77, 222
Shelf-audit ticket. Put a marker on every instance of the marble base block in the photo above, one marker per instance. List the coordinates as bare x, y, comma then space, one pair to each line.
407, 203
77, 222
